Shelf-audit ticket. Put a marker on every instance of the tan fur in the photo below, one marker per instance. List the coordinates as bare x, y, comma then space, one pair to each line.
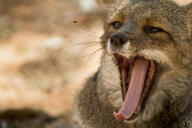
169, 102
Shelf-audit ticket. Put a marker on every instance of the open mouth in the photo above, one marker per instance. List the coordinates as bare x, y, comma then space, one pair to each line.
136, 77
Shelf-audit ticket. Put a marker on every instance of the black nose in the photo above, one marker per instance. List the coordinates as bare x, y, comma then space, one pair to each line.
118, 39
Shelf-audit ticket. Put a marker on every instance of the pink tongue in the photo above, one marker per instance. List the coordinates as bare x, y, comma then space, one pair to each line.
135, 89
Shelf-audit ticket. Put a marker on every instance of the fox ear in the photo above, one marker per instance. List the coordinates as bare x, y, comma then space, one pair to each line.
188, 9
108, 1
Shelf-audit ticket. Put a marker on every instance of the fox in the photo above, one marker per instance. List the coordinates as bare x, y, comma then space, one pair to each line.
145, 76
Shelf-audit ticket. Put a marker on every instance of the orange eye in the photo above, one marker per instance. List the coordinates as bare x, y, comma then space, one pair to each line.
116, 24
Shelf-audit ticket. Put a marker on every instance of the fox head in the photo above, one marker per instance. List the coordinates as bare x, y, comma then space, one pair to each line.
160, 31
155, 29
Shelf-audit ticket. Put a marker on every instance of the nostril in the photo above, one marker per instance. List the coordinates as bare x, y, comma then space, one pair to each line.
118, 39
115, 40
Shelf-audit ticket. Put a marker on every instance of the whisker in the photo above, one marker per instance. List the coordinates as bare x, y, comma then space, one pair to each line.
81, 57
94, 32
83, 43
94, 54
89, 32
82, 51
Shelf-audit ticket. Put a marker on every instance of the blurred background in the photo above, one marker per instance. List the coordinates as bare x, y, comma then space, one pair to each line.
47, 50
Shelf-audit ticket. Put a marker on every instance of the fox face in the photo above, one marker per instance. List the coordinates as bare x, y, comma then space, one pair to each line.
146, 66
155, 29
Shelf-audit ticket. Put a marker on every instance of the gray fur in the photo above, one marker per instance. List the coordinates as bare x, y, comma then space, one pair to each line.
169, 102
